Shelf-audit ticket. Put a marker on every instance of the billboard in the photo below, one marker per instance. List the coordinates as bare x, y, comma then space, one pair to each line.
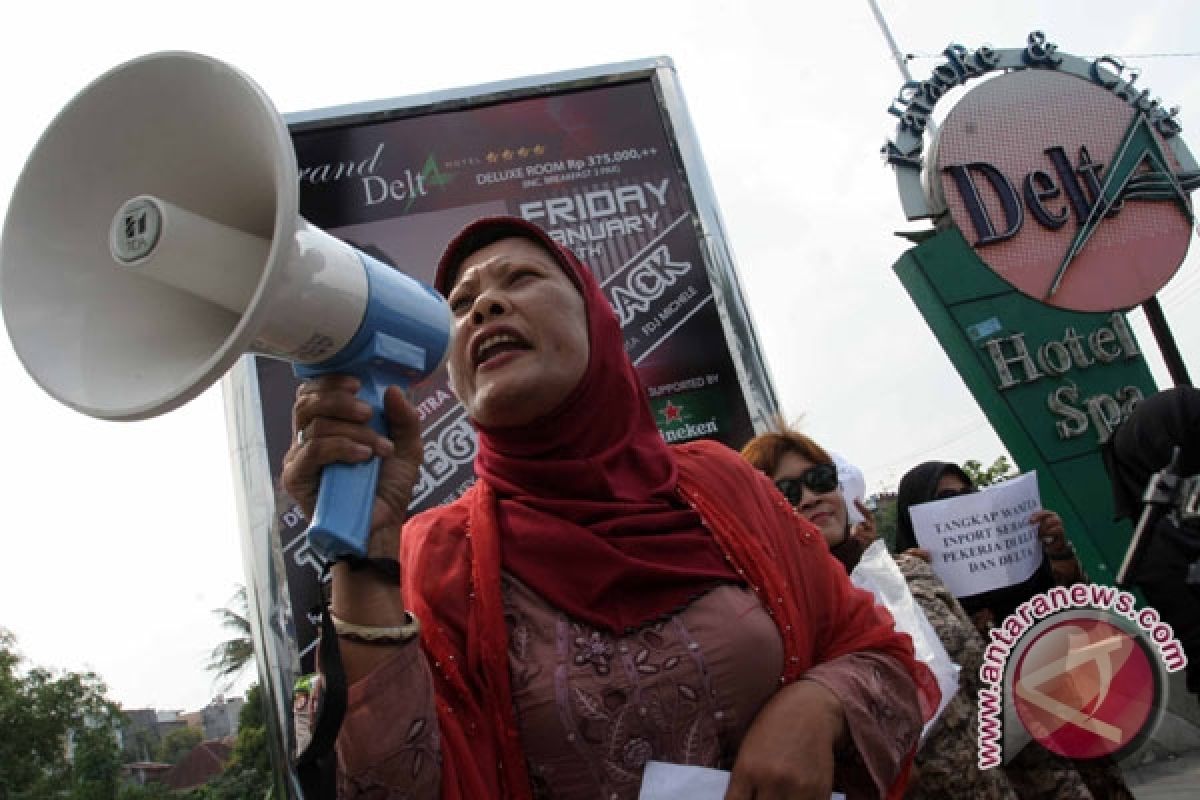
605, 161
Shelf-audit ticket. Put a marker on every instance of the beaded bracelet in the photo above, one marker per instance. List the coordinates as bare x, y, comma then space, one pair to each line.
370, 634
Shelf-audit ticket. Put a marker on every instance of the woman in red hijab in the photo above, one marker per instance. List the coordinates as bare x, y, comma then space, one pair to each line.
597, 600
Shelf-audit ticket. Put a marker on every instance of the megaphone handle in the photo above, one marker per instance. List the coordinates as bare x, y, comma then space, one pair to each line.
341, 523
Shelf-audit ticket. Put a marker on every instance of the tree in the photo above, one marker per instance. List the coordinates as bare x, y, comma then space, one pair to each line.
249, 773
252, 750
151, 791
1000, 470
177, 744
40, 712
885, 519
96, 766
231, 657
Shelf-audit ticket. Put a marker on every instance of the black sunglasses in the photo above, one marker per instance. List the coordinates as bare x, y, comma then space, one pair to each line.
946, 494
819, 479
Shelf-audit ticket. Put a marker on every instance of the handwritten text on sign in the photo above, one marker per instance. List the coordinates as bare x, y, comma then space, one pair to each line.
982, 541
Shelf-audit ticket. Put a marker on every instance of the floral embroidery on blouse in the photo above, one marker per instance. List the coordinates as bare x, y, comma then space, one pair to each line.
619, 701
594, 650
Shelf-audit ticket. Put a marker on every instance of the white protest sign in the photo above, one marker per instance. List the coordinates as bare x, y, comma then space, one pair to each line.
984, 540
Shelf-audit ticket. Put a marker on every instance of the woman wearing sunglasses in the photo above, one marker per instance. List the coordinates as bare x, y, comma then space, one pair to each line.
811, 485
947, 765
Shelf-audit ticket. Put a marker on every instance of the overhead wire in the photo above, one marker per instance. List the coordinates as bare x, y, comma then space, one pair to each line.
915, 56
911, 457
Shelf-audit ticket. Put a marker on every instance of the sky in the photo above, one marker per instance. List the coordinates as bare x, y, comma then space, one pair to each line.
121, 538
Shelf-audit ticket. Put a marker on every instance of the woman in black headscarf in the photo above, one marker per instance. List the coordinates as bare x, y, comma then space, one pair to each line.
938, 480
1140, 447
1037, 773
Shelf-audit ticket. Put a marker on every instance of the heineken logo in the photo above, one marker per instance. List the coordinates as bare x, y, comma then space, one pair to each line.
688, 415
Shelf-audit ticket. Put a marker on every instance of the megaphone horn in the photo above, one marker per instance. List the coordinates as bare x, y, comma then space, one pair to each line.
154, 237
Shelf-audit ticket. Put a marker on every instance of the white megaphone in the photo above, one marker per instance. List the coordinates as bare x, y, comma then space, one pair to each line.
154, 237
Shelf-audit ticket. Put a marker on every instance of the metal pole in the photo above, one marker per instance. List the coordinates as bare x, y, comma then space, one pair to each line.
1166, 342
901, 63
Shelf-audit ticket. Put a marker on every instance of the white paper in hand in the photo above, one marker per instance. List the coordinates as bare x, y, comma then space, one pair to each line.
663, 781
982, 541
853, 486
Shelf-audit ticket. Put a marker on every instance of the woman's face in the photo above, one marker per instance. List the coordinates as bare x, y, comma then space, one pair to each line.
520, 334
951, 485
826, 510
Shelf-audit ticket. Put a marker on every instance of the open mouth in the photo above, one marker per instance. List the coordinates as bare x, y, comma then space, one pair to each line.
496, 345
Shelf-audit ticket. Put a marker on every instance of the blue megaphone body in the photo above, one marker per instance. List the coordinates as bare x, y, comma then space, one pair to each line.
404, 337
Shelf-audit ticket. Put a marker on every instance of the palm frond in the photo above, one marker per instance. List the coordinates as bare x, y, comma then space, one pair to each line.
231, 657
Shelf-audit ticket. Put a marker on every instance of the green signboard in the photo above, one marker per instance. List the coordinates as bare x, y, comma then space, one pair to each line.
1053, 383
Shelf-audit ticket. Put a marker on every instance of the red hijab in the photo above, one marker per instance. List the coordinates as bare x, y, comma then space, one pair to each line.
588, 510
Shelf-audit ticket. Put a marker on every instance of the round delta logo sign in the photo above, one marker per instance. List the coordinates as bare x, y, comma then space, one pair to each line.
1063, 190
1068, 178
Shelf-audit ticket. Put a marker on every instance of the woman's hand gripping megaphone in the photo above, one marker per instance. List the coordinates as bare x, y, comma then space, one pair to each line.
332, 426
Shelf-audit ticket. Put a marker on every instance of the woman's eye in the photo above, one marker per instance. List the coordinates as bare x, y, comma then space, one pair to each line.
460, 304
519, 275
